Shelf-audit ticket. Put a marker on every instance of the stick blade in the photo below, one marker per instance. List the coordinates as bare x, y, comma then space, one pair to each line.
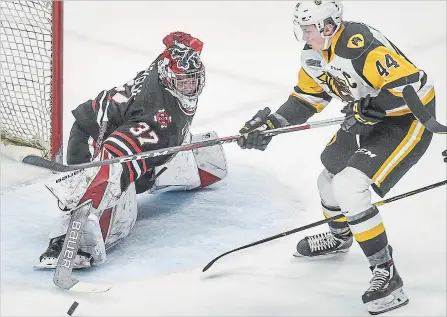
44, 163
420, 111
84, 287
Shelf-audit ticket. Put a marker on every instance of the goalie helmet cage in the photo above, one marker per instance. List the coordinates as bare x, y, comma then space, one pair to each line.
31, 59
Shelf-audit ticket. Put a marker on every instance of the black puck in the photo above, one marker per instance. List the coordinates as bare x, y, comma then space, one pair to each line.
72, 308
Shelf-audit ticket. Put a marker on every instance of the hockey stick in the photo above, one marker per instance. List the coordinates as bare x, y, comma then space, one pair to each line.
57, 167
317, 223
420, 112
63, 277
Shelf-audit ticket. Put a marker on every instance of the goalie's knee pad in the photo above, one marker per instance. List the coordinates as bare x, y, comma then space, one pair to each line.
193, 169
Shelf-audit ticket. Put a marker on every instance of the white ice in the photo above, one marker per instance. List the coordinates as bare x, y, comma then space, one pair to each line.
252, 61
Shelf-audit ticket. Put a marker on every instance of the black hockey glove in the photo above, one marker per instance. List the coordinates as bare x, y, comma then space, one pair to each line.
361, 116
444, 153
252, 137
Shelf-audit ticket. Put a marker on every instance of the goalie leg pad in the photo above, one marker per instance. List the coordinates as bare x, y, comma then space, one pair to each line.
210, 161
117, 222
91, 241
193, 169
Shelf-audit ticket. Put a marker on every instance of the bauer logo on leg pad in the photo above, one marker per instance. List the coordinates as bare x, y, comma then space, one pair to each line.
73, 235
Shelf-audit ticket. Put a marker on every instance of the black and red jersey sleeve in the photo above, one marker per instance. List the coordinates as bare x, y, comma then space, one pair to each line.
133, 137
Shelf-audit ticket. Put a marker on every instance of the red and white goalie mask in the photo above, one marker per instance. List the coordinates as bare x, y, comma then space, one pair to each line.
182, 73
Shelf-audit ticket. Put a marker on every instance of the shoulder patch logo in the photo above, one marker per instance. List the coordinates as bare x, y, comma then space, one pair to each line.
162, 118
313, 63
356, 41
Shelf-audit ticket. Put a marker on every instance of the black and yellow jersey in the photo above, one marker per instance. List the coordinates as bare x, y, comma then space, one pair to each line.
360, 61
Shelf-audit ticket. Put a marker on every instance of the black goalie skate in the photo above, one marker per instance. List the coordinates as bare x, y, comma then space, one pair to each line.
323, 244
48, 259
385, 290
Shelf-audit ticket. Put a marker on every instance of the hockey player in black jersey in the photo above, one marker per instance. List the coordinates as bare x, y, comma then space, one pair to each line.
358, 65
153, 110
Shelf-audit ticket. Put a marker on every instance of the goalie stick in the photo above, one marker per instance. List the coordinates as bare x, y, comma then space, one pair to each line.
420, 112
57, 167
63, 277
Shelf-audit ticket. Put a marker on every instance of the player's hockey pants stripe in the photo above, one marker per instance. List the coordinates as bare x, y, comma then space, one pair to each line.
134, 146
368, 230
117, 153
404, 148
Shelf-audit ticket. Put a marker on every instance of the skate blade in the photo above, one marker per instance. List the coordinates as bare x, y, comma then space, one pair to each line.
42, 266
395, 300
51, 265
321, 256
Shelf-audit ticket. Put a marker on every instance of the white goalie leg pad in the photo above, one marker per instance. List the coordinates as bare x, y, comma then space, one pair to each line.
91, 240
70, 188
210, 161
351, 190
116, 223
181, 174
193, 169
101, 185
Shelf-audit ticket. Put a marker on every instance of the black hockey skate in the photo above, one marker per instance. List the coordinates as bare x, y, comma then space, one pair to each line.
323, 244
385, 291
48, 259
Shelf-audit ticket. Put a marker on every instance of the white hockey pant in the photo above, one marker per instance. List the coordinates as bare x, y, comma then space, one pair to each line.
348, 191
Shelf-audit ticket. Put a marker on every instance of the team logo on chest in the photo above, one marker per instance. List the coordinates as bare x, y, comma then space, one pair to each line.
337, 86
162, 118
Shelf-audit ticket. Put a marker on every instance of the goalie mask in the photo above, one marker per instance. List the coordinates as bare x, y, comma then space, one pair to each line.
182, 73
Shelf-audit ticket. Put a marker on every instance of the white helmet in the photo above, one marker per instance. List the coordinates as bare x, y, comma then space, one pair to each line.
318, 13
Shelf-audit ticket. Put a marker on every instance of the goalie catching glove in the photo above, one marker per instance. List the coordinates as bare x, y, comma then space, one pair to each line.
361, 116
251, 131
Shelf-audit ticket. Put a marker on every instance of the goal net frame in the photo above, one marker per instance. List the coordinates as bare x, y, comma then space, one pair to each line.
54, 144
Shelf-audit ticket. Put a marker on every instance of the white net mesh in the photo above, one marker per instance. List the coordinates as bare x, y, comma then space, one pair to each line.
26, 72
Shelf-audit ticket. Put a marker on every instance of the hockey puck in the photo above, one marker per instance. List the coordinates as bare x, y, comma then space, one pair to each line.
72, 308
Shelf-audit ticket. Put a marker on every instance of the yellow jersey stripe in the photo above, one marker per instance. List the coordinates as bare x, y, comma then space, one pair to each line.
318, 106
405, 147
307, 83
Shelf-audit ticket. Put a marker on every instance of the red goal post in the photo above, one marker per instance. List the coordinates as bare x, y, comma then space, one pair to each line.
31, 68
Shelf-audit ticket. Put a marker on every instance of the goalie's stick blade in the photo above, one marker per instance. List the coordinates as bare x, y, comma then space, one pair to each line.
420, 112
44, 163
63, 277
84, 287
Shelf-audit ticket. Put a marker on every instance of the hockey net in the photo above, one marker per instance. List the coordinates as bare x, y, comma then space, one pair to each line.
31, 75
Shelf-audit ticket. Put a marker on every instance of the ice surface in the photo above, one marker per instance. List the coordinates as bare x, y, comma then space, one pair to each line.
252, 61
